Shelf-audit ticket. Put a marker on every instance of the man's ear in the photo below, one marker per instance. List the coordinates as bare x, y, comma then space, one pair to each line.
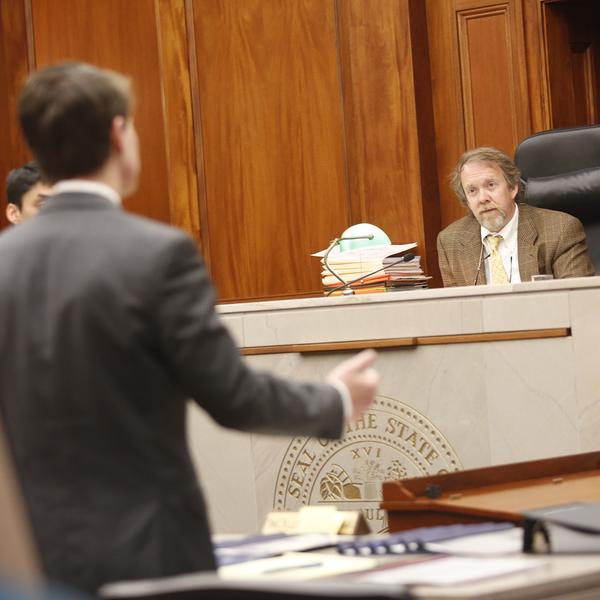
13, 214
117, 132
514, 192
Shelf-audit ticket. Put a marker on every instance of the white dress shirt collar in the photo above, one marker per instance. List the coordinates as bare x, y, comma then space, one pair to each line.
85, 186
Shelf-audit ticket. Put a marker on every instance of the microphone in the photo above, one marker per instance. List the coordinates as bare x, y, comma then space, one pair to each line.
348, 291
335, 242
481, 259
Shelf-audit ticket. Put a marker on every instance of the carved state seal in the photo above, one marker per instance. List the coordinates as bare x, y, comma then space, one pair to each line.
390, 441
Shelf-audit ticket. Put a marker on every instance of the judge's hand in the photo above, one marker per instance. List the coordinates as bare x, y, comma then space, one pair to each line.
361, 379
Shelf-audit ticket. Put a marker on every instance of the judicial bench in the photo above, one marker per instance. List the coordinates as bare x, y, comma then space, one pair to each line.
471, 377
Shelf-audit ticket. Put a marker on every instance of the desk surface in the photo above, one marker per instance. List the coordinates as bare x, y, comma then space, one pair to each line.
575, 577
411, 296
565, 577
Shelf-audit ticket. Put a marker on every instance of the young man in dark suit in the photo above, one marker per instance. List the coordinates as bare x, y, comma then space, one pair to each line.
26, 192
107, 326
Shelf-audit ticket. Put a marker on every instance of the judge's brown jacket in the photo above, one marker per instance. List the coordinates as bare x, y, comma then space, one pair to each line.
550, 242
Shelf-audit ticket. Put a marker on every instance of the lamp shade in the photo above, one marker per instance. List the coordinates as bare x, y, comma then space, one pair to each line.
380, 238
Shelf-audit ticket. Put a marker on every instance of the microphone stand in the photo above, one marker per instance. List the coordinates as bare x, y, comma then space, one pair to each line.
335, 243
349, 291
482, 258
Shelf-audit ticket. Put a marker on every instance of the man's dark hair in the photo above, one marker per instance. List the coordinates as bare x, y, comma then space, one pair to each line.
21, 180
66, 113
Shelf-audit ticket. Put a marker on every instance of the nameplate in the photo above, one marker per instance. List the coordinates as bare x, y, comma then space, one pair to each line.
316, 519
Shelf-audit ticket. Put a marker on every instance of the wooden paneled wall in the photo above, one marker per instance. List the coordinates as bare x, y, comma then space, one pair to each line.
309, 124
269, 126
146, 40
14, 67
273, 138
477, 49
386, 88
570, 50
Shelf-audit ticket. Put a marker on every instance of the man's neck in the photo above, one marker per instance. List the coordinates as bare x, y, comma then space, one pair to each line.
108, 175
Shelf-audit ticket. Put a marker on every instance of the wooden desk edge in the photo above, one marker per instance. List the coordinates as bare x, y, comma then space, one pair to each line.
408, 342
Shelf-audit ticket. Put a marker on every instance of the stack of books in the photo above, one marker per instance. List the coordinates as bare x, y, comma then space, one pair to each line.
372, 270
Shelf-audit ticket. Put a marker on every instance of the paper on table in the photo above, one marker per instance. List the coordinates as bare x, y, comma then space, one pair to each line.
369, 252
264, 546
297, 566
451, 570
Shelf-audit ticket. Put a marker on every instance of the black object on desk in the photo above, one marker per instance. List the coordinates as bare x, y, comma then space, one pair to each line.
568, 528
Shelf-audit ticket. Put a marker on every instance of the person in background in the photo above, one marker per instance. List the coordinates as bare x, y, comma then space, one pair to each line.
502, 241
26, 192
107, 328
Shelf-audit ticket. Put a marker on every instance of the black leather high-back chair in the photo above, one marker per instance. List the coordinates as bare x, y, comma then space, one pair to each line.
560, 170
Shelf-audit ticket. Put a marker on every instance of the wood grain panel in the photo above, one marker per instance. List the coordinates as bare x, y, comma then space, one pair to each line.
560, 65
330, 346
571, 38
479, 80
122, 36
183, 180
389, 120
495, 106
563, 60
537, 65
13, 71
272, 137
430, 197
447, 102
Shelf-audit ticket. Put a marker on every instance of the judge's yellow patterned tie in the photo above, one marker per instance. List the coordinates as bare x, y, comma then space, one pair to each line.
497, 266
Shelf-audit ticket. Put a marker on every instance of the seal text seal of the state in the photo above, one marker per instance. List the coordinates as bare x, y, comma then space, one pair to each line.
390, 441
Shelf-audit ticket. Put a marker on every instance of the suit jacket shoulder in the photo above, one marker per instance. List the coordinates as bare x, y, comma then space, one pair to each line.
552, 242
559, 241
468, 223
459, 250
545, 216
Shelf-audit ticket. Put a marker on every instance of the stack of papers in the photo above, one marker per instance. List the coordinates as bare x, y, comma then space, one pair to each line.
406, 275
371, 269
247, 548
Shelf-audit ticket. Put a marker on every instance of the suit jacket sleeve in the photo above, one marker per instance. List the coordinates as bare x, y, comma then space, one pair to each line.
444, 263
204, 360
572, 259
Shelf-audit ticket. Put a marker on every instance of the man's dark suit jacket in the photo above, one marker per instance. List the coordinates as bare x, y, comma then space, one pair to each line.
107, 325
549, 242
